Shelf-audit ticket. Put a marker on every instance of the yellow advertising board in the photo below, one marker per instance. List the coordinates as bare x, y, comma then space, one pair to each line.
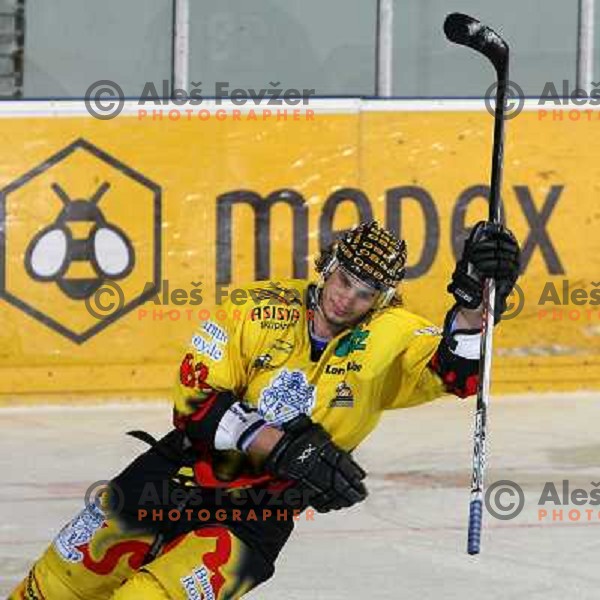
119, 236
550, 339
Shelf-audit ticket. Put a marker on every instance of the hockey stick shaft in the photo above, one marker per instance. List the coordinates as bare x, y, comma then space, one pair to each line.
487, 333
481, 422
465, 30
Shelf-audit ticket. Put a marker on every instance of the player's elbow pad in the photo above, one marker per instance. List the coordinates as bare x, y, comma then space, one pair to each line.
456, 361
460, 375
227, 424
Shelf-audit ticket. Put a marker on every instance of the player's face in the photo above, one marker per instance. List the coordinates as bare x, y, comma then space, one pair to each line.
346, 300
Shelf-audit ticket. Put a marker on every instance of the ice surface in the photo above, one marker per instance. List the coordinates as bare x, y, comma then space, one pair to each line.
406, 541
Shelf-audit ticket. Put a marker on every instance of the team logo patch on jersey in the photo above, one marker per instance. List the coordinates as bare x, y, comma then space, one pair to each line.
193, 375
275, 317
274, 358
78, 532
355, 340
343, 396
289, 394
189, 583
351, 367
432, 330
213, 347
276, 294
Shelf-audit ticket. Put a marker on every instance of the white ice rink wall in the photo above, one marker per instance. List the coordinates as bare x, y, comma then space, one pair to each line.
179, 204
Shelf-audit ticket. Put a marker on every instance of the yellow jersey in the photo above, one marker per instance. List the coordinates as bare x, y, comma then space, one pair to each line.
260, 349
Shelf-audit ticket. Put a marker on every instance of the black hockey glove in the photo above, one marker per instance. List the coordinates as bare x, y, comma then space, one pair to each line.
307, 454
491, 251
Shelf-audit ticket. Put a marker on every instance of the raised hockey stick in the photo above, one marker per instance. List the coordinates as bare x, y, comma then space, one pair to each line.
467, 31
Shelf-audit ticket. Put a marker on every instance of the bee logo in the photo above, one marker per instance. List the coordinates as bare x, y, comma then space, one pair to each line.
75, 229
81, 249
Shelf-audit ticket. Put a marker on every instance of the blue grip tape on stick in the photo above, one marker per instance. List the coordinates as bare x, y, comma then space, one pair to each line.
475, 518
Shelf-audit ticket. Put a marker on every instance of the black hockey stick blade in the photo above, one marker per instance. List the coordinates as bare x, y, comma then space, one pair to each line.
467, 31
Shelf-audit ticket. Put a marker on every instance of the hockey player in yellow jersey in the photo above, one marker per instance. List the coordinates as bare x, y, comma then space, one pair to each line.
273, 394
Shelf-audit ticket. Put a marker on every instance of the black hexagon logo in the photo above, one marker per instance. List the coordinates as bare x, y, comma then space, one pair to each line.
79, 222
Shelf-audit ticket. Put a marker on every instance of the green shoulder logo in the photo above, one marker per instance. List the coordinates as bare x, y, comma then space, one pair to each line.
355, 340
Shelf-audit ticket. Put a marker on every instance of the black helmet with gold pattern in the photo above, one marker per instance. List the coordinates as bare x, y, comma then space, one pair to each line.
370, 253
